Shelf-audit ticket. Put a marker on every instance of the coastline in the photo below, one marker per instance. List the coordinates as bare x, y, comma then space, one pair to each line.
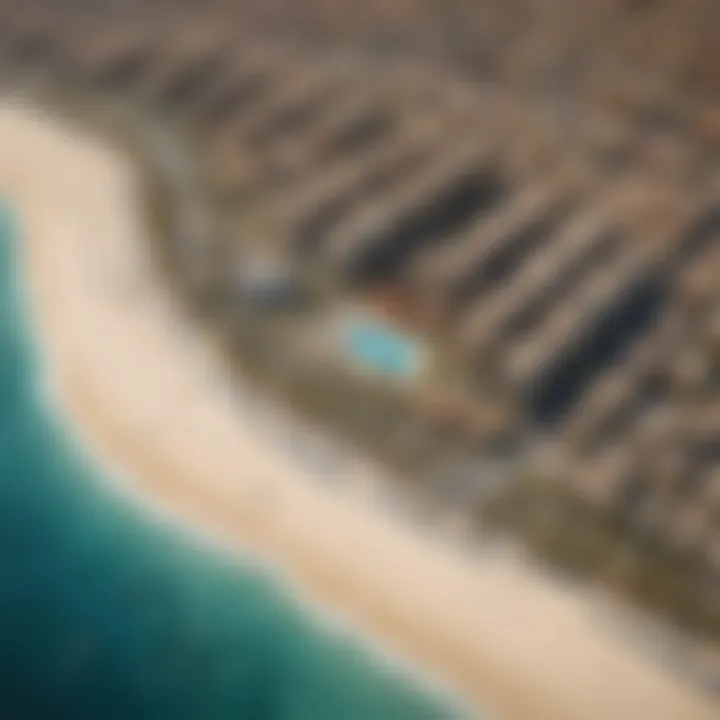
489, 629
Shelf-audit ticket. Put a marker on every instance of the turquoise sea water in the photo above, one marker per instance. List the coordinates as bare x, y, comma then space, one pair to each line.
105, 613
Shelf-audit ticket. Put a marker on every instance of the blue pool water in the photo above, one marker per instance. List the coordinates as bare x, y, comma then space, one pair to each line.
382, 349
106, 613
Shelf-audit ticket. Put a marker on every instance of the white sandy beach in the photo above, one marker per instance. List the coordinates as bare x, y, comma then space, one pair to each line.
148, 398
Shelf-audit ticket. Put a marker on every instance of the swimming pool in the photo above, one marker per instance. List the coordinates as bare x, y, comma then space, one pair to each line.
382, 349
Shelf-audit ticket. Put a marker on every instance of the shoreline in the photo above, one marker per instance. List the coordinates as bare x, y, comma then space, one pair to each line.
464, 619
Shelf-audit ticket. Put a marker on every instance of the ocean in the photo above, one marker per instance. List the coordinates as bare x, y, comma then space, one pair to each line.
106, 612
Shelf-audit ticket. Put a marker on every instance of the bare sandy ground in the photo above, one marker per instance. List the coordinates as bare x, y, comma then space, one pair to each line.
148, 398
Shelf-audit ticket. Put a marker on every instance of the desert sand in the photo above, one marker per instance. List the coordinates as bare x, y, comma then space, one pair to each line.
147, 397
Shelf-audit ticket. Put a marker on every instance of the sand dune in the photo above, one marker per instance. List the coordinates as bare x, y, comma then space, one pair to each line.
148, 397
